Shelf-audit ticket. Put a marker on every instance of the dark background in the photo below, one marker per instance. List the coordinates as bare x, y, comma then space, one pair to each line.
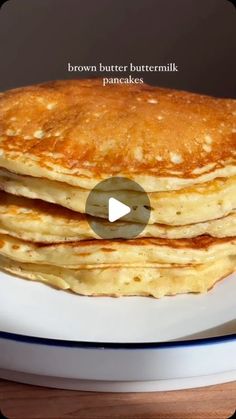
39, 37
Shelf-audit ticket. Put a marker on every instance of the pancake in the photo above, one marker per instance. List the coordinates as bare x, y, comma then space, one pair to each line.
156, 282
59, 139
78, 132
137, 252
195, 204
38, 221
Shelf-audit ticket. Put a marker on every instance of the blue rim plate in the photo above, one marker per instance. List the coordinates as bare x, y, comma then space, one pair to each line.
110, 345
44, 315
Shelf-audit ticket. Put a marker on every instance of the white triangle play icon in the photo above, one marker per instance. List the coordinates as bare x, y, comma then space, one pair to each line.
117, 209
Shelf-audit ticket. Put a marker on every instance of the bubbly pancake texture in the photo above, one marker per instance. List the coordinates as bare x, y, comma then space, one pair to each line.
79, 132
146, 252
194, 204
156, 282
38, 221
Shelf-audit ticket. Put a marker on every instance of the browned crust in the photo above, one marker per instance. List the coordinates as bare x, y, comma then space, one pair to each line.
118, 128
200, 242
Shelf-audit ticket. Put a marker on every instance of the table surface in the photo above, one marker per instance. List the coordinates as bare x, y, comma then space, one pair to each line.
21, 401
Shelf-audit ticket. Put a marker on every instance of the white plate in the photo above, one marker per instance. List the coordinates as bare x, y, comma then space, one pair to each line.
51, 337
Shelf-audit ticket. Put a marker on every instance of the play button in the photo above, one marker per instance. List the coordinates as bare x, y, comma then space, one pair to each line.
118, 208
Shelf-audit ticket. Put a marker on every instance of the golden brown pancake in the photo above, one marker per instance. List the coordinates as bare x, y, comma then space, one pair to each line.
156, 282
38, 221
197, 203
146, 252
59, 139
79, 132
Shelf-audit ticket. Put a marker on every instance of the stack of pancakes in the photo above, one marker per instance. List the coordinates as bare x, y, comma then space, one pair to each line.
59, 140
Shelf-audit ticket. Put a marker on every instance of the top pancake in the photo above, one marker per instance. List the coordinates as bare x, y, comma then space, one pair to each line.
79, 132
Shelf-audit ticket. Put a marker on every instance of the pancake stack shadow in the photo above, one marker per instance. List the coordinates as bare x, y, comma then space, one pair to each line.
59, 140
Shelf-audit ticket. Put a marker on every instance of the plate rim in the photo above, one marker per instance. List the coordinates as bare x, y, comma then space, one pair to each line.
116, 345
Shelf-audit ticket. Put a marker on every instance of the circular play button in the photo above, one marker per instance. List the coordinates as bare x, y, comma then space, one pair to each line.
118, 208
